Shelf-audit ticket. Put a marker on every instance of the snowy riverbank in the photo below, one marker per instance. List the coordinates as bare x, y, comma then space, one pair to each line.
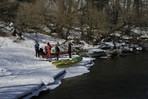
24, 75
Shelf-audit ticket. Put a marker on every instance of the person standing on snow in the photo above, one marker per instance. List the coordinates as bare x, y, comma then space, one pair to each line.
48, 50
36, 46
69, 49
57, 51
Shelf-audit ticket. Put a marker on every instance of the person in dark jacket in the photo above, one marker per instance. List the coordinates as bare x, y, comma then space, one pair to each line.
57, 51
36, 46
69, 49
42, 53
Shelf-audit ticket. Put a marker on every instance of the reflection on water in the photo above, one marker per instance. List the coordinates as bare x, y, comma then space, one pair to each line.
118, 78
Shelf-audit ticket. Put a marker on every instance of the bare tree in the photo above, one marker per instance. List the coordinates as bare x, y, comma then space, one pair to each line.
30, 14
65, 17
8, 9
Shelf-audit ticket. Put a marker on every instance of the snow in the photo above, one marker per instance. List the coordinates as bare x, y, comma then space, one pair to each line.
22, 74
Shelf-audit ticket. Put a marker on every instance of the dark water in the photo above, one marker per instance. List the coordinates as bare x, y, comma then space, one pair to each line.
117, 78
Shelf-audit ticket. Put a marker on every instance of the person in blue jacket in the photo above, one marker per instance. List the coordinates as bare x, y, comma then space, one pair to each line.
36, 46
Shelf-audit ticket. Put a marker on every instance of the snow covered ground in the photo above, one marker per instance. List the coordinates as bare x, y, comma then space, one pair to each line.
22, 74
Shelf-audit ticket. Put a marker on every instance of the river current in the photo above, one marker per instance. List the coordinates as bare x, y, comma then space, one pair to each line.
118, 78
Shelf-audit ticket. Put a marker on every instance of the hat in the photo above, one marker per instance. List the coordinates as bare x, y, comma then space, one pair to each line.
48, 43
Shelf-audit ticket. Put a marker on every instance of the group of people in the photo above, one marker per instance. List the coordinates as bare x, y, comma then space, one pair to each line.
39, 52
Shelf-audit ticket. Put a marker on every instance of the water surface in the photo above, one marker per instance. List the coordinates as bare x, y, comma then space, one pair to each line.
117, 78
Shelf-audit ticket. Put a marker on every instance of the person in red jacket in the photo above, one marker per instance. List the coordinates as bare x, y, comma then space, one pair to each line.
48, 50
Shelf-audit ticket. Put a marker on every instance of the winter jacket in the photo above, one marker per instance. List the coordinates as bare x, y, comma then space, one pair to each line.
57, 49
36, 46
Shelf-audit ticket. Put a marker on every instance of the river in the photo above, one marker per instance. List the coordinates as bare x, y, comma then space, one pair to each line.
117, 78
